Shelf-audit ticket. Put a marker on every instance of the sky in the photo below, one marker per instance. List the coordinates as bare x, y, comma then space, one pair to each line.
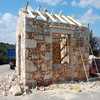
85, 11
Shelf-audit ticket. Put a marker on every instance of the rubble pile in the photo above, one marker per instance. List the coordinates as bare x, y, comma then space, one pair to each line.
76, 87
12, 85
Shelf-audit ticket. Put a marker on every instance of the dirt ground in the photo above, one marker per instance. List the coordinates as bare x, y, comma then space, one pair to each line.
63, 91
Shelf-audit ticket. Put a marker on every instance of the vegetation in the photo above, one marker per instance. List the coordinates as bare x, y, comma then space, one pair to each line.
95, 45
3, 52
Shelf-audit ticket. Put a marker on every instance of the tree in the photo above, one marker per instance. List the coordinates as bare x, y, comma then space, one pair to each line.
94, 45
3, 52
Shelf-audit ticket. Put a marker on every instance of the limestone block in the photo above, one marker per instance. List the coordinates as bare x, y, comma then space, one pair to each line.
35, 56
28, 76
36, 75
58, 31
42, 47
48, 55
48, 39
38, 37
30, 43
30, 35
30, 83
30, 67
29, 28
44, 67
15, 90
29, 25
48, 76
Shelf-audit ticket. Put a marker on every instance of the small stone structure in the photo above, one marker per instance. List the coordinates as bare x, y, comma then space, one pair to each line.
50, 47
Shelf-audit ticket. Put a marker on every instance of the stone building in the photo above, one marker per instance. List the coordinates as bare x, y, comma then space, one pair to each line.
50, 47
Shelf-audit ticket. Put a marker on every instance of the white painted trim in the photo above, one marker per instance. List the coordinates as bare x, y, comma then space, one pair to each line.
41, 15
70, 22
60, 18
30, 12
70, 18
51, 17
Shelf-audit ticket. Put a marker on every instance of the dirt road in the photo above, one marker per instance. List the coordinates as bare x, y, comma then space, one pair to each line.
5, 70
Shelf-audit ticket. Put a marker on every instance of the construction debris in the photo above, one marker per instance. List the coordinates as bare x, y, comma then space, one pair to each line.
8, 86
75, 87
15, 90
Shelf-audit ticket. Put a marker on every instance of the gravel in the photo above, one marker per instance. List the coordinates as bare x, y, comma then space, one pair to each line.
10, 84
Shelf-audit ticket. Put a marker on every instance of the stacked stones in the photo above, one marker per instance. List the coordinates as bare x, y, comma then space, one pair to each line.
41, 56
38, 53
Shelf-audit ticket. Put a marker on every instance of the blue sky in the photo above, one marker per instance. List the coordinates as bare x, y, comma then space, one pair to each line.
86, 11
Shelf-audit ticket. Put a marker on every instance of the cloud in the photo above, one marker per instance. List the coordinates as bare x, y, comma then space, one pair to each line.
52, 2
8, 27
86, 3
89, 17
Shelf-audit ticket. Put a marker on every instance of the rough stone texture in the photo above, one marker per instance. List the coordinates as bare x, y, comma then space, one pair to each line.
15, 90
30, 43
51, 54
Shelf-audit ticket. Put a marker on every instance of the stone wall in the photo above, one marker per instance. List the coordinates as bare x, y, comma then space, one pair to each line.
40, 56
37, 53
20, 47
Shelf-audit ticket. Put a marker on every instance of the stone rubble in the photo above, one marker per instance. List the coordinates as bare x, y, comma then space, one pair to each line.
15, 90
76, 87
11, 85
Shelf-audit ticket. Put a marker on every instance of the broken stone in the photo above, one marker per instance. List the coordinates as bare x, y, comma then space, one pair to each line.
30, 43
13, 77
27, 90
75, 88
15, 90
